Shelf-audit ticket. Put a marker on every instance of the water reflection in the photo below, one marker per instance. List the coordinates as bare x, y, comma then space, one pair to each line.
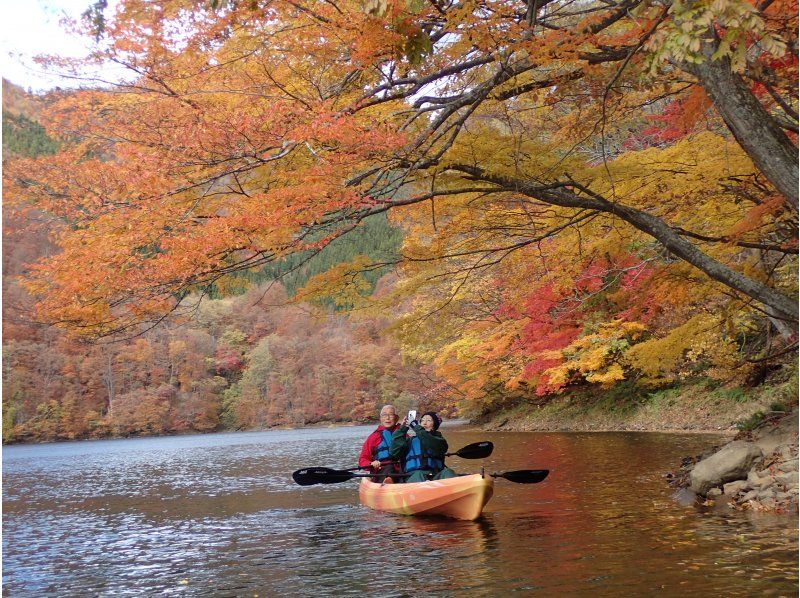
218, 515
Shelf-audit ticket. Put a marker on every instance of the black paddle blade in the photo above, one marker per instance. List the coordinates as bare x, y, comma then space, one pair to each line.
320, 475
524, 476
476, 450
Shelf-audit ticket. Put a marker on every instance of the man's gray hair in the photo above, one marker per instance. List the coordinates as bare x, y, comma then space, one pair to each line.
389, 407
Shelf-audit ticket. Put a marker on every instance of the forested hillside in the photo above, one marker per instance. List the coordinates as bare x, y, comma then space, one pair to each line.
22, 133
591, 197
247, 359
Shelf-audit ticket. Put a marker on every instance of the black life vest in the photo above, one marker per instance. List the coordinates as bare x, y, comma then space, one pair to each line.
416, 459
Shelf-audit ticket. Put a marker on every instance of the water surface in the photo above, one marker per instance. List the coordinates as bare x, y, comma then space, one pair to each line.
219, 515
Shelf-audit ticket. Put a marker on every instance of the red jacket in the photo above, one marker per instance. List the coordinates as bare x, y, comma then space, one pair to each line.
370, 444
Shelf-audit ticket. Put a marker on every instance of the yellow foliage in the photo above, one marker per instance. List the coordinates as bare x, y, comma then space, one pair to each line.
658, 355
608, 376
342, 283
702, 338
595, 357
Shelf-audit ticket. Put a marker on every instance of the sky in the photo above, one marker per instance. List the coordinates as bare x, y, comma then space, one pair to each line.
31, 27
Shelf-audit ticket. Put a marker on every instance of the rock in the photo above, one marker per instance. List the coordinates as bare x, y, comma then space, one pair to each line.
749, 496
732, 462
765, 495
685, 497
758, 480
777, 437
789, 465
788, 479
715, 491
733, 488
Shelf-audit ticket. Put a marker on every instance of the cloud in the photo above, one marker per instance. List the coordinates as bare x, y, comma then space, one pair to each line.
34, 27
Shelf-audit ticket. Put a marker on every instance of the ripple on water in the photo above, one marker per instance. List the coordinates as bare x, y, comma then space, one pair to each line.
219, 515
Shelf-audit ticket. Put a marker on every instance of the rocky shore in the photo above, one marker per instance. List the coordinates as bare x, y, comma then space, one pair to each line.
757, 470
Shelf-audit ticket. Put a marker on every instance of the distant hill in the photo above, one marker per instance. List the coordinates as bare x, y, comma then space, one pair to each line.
19, 102
22, 133
376, 239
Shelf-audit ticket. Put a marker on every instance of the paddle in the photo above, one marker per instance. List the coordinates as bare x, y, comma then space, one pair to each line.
324, 475
523, 476
476, 450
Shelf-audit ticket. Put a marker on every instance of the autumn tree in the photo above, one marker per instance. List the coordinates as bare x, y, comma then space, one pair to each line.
570, 175
260, 123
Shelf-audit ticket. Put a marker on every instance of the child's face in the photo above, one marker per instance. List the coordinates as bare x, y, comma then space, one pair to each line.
427, 423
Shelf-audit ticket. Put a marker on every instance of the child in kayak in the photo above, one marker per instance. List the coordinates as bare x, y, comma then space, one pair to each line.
421, 449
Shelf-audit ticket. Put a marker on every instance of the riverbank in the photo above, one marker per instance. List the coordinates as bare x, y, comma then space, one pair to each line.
699, 406
757, 470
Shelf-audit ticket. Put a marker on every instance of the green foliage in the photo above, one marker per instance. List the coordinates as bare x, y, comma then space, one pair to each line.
230, 400
732, 394
376, 239
25, 137
9, 413
777, 407
665, 396
752, 422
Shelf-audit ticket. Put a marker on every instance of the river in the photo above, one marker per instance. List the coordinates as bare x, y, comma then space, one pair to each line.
219, 515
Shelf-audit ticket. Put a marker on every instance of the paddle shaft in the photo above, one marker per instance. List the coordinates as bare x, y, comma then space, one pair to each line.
324, 475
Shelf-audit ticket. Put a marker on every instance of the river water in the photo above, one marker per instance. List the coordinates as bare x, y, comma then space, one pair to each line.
218, 515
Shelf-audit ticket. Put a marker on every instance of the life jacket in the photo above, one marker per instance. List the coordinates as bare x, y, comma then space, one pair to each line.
417, 459
381, 452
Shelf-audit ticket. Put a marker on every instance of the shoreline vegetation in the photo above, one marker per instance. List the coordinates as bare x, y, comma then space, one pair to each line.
696, 406
700, 406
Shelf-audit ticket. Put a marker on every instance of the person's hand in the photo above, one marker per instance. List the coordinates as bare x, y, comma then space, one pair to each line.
405, 421
411, 432
376, 464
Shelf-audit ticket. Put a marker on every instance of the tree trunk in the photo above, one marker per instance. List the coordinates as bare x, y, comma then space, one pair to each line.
779, 305
755, 130
108, 378
776, 302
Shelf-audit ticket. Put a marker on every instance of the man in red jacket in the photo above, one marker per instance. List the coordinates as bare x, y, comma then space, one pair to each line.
375, 452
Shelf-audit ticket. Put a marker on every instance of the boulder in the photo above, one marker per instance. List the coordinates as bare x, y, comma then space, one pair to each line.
713, 492
733, 488
788, 479
790, 465
730, 463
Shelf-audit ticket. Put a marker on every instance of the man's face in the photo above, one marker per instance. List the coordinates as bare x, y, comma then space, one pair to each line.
388, 417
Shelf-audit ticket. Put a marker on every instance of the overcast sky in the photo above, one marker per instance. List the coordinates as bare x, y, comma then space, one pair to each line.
30, 28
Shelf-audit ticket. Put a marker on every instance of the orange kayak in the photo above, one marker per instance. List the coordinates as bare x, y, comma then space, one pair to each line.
462, 497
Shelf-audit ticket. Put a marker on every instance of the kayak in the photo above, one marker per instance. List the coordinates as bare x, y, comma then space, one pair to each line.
462, 497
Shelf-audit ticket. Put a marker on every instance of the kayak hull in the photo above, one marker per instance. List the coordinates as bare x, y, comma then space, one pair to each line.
462, 497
